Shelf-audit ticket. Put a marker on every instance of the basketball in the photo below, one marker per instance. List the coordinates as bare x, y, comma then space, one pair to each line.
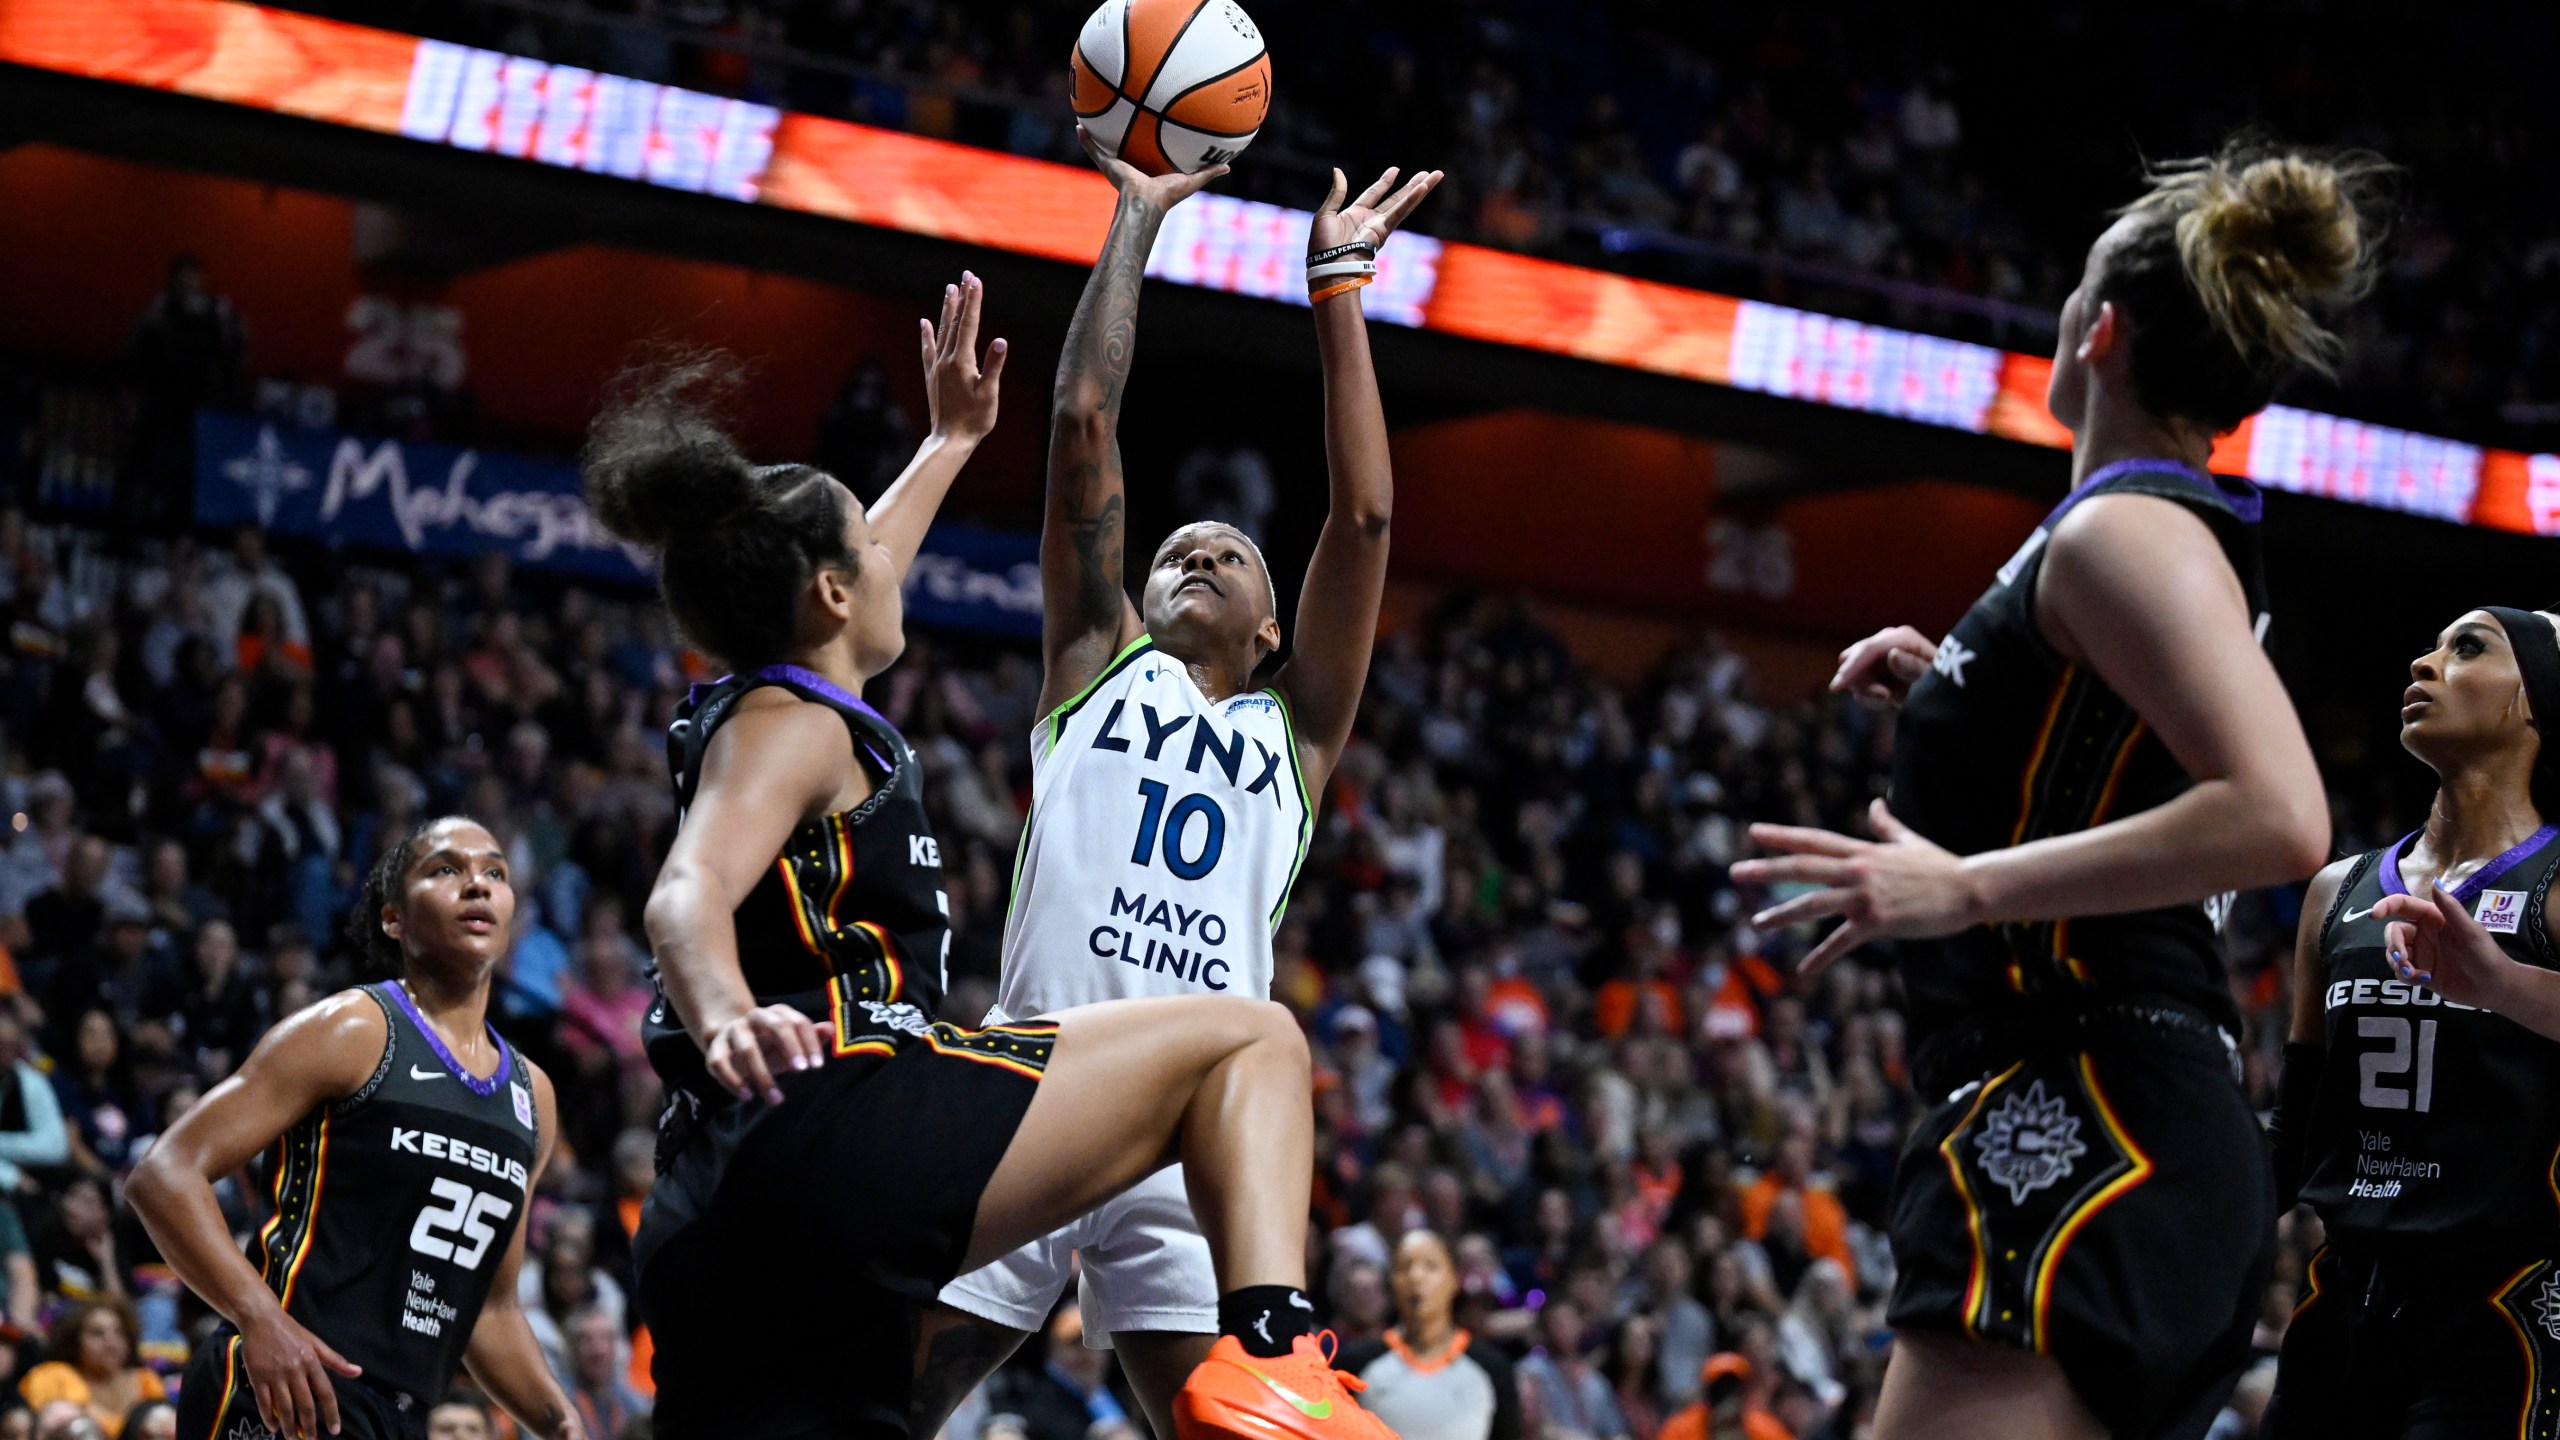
1172, 85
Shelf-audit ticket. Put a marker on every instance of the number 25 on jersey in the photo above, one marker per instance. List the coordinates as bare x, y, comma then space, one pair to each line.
465, 1213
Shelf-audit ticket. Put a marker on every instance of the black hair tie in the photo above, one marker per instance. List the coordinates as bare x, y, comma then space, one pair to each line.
2537, 651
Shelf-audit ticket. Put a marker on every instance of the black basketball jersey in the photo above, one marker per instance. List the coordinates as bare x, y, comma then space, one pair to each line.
2432, 1119
2004, 741
395, 1204
850, 922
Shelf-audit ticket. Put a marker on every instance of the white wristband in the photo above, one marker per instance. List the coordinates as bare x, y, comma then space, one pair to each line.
1336, 269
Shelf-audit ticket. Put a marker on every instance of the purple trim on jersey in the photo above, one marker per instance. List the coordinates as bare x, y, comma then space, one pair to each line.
808, 679
2245, 499
435, 1042
2469, 890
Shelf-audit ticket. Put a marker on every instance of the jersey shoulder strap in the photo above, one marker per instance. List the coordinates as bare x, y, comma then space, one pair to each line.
707, 706
2347, 884
390, 1048
2537, 926
2230, 508
1044, 737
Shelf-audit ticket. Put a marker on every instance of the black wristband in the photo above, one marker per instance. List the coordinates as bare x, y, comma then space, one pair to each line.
1356, 247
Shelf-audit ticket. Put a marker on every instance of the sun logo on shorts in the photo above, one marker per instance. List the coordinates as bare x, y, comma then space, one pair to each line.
2030, 1142
2546, 1305
900, 1016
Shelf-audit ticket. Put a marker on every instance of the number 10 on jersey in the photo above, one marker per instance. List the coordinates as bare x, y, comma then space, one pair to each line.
1175, 827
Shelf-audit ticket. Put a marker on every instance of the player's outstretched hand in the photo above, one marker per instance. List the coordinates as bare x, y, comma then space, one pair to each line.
289, 1370
1161, 191
959, 392
1896, 886
1371, 218
2433, 940
745, 1054
1881, 668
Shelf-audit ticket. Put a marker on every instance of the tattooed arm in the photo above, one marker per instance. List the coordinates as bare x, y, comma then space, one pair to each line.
1085, 611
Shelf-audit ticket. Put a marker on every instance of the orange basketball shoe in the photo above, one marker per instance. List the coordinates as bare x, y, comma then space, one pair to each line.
1237, 1396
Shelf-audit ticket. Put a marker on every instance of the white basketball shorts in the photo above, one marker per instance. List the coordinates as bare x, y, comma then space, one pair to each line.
1145, 1268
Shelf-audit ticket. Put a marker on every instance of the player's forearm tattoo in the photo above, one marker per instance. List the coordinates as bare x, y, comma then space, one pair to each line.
1100, 540
1084, 475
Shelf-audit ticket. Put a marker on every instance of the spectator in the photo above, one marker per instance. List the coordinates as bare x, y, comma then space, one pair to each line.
1428, 1379
90, 1362
65, 923
1573, 1399
151, 1420
599, 1357
75, 1250
461, 1420
185, 351
244, 577
1072, 1391
99, 1099
863, 440
1684, 1334
1726, 1407
224, 1012
1822, 1227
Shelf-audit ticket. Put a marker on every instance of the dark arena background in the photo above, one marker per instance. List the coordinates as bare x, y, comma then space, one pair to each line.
1724, 344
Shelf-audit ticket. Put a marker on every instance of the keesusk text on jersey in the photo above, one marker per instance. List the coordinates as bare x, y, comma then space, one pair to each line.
460, 1152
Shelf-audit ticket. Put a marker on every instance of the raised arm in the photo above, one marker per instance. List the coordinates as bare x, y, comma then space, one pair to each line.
1338, 606
1085, 614
326, 1052
961, 395
502, 1354
769, 768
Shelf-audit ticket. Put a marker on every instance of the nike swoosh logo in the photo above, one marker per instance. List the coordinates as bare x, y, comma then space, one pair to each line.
1312, 1409
417, 1074
2352, 916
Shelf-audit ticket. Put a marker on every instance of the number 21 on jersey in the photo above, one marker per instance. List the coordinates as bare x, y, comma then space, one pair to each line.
2377, 1087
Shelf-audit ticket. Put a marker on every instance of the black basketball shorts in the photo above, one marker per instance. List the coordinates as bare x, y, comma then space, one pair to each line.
2108, 1205
216, 1403
2416, 1346
787, 1250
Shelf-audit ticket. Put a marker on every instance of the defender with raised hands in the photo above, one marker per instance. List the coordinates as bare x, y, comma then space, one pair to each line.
1172, 791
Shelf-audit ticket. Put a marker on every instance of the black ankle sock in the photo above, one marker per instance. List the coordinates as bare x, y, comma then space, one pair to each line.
1265, 1318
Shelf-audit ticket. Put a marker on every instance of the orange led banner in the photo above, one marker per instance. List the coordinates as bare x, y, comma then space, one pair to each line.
563, 116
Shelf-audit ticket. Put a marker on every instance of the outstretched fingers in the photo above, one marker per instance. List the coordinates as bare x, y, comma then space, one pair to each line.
1333, 193
1804, 840
1848, 937
1833, 901
1377, 190
1403, 202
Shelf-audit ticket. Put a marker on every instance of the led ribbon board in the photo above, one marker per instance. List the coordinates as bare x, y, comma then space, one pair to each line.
562, 116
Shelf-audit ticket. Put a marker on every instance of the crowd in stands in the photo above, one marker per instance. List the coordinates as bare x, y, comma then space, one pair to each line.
1543, 1026
1869, 160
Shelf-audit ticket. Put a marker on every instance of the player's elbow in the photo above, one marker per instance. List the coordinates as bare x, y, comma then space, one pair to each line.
671, 907
147, 1188
2292, 833
1370, 518
1076, 409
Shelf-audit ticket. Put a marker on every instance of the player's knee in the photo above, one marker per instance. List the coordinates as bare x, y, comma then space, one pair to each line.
1272, 1025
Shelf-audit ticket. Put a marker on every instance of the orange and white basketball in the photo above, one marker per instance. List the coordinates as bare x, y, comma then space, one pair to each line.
1172, 84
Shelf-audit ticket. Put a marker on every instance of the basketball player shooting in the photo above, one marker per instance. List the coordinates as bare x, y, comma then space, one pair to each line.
1171, 797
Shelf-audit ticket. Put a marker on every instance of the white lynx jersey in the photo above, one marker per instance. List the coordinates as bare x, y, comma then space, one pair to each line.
1166, 830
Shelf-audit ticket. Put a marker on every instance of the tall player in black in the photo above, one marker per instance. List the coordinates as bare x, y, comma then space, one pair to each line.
406, 1138
2082, 1227
2420, 1110
832, 1156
